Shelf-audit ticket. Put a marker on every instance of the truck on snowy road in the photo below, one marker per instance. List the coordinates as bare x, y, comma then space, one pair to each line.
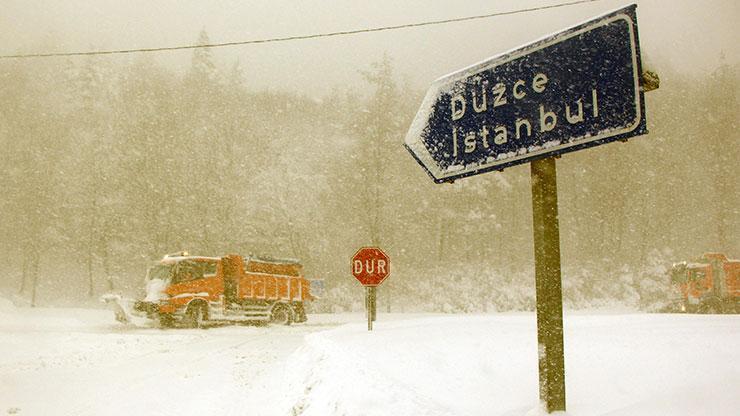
196, 290
708, 284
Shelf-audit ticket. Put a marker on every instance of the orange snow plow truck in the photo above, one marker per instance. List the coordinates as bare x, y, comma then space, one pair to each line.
196, 290
709, 284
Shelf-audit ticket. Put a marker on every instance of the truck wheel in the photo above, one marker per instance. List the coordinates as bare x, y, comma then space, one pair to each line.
716, 307
711, 306
300, 313
281, 315
196, 315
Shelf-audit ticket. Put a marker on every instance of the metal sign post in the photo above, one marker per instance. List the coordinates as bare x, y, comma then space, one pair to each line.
370, 305
548, 286
373, 302
368, 308
576, 89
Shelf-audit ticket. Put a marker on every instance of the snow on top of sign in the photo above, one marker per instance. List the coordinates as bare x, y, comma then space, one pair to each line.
481, 65
546, 145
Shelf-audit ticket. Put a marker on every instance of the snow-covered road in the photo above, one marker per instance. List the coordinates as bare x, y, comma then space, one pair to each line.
78, 362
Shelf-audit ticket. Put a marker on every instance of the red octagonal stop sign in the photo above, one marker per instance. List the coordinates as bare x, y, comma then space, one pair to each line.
370, 266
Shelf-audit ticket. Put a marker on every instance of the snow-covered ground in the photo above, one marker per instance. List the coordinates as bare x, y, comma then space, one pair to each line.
79, 362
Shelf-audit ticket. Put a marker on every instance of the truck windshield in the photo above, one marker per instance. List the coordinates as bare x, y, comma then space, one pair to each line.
697, 274
160, 271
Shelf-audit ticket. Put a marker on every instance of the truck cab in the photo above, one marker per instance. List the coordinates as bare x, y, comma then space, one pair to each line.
179, 283
710, 283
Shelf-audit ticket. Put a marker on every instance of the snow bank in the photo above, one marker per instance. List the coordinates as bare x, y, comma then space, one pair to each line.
430, 366
457, 365
27, 319
486, 365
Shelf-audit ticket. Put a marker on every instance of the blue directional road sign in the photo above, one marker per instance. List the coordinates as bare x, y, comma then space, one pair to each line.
569, 91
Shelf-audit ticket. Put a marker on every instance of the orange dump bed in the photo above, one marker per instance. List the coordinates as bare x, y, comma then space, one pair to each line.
284, 269
732, 274
271, 280
256, 279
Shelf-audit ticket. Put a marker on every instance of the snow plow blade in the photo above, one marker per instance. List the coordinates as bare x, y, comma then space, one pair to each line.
123, 310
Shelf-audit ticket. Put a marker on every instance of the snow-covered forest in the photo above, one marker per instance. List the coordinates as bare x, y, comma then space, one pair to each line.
107, 165
253, 134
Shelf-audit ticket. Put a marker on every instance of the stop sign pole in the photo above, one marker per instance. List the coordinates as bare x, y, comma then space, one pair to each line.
370, 305
370, 266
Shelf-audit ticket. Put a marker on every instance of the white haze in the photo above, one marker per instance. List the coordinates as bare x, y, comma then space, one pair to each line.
687, 35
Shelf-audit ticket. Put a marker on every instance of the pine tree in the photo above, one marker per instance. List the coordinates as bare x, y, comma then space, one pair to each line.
722, 137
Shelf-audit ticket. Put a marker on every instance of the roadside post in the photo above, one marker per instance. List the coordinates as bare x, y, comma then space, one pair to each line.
370, 266
573, 90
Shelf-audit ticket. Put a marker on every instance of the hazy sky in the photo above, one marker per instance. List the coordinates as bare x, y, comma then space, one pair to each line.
686, 34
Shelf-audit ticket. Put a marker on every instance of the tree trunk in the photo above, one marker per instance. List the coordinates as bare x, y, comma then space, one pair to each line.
24, 272
442, 243
90, 248
34, 277
723, 195
106, 266
90, 282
